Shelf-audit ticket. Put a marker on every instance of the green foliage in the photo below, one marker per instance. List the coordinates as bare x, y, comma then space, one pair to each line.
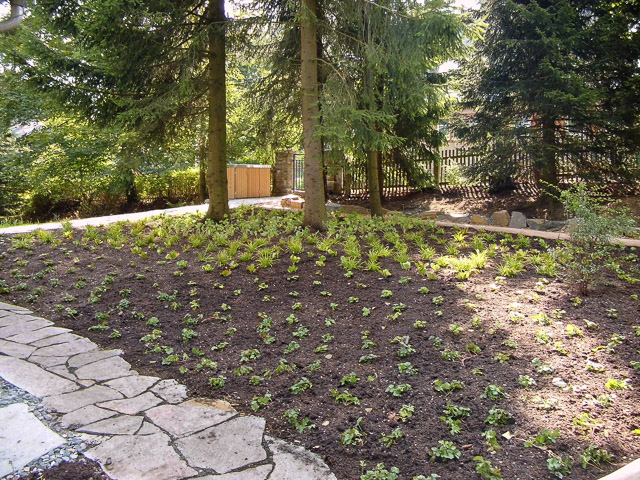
446, 451
486, 469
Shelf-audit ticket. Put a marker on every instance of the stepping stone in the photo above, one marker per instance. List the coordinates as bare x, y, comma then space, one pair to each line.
296, 463
170, 391
128, 458
47, 362
35, 335
256, 473
106, 369
62, 371
34, 379
131, 406
122, 425
7, 319
24, 438
148, 429
84, 416
26, 324
225, 447
132, 385
69, 402
82, 359
68, 348
58, 339
16, 349
12, 308
189, 417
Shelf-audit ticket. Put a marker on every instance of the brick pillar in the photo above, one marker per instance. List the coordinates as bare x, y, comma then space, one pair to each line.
283, 173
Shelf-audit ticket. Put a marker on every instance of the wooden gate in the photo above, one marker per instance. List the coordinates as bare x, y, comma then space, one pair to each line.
248, 181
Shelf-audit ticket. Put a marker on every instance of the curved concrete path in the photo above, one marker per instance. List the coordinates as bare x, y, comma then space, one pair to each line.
138, 427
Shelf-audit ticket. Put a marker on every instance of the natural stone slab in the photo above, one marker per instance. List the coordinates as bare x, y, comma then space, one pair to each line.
7, 319
501, 218
68, 348
82, 359
17, 350
148, 429
62, 371
131, 406
296, 463
33, 379
23, 439
132, 385
630, 471
84, 416
26, 324
256, 473
47, 362
170, 391
430, 214
518, 220
128, 458
35, 335
189, 417
227, 446
69, 402
122, 425
13, 308
107, 369
58, 339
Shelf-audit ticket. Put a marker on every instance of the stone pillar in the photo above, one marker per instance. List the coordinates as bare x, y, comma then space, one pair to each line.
283, 173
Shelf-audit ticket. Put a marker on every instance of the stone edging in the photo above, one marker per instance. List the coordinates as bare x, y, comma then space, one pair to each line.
137, 427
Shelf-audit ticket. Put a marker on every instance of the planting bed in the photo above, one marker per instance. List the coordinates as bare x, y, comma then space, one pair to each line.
437, 352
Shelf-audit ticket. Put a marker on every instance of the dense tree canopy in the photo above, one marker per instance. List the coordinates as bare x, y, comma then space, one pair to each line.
548, 82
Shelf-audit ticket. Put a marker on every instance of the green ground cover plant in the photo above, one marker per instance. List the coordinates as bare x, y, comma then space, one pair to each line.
390, 342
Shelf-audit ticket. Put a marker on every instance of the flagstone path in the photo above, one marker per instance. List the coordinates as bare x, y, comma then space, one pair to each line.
136, 427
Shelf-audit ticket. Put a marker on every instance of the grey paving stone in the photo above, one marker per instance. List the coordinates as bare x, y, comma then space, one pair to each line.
106, 369
84, 416
34, 379
170, 391
16, 349
131, 406
12, 308
81, 359
27, 324
127, 458
122, 425
35, 335
62, 371
296, 463
132, 385
68, 348
23, 439
47, 362
256, 473
69, 402
86, 383
7, 318
57, 339
225, 447
148, 428
189, 417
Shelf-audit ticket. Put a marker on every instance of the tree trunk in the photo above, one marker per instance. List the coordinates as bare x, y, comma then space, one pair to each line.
315, 213
375, 199
202, 169
546, 171
217, 129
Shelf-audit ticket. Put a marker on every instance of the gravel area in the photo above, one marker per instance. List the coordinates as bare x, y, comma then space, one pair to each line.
69, 452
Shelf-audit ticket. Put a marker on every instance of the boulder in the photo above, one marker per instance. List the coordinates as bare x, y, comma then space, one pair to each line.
536, 223
480, 220
501, 218
518, 220
292, 201
332, 207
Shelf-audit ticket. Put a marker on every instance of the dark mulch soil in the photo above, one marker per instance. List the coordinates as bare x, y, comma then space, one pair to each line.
71, 471
495, 315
